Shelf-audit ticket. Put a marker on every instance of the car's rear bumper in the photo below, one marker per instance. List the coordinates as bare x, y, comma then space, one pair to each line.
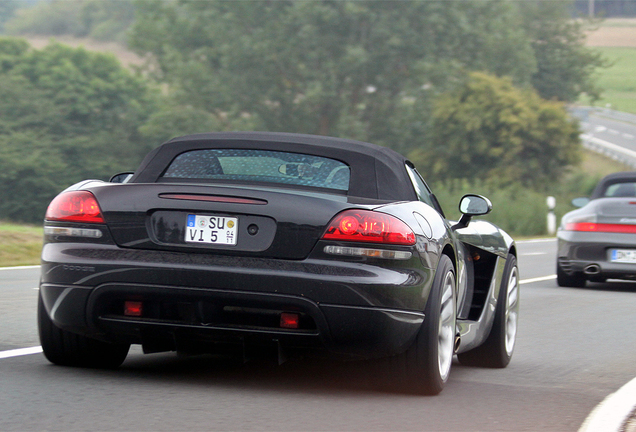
352, 309
589, 254
177, 318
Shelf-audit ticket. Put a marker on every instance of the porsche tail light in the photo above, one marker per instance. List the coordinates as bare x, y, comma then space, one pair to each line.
600, 227
369, 226
77, 206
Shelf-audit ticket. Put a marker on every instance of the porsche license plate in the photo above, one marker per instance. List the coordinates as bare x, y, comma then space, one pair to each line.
623, 255
211, 229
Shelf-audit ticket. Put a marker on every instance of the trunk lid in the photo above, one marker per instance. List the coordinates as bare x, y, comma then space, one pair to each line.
616, 210
252, 221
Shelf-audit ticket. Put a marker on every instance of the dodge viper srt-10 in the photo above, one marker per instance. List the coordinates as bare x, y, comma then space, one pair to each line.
244, 242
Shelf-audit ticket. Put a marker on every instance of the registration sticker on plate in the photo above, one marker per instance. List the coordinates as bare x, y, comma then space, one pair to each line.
211, 229
623, 255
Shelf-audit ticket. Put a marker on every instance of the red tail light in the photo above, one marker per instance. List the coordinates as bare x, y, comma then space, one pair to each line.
78, 206
601, 227
368, 226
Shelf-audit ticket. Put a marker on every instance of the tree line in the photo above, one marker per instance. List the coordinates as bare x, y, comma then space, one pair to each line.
466, 89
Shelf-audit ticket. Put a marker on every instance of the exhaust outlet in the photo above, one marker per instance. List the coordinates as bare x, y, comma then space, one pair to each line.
458, 341
592, 269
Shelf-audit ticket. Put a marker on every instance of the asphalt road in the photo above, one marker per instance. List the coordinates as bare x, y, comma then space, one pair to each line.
609, 132
575, 347
617, 132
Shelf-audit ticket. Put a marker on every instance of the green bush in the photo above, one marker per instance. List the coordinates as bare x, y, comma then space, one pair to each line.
97, 19
488, 128
517, 210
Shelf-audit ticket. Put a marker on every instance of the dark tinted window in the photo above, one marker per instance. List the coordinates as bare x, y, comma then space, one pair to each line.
260, 166
422, 191
627, 189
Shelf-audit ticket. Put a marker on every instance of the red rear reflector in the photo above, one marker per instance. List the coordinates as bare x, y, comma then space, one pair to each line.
133, 308
289, 320
368, 226
601, 227
78, 206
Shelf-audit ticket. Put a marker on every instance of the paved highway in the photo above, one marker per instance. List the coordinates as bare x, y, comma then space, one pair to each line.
575, 347
614, 131
609, 132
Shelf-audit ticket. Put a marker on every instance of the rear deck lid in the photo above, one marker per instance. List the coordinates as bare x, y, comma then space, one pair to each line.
616, 210
256, 221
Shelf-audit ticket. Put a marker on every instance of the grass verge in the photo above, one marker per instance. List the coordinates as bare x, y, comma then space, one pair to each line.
618, 82
20, 244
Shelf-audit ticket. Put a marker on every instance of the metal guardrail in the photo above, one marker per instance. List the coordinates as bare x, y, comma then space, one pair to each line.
606, 148
583, 112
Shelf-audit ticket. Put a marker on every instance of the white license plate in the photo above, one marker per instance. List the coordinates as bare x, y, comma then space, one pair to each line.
623, 255
211, 229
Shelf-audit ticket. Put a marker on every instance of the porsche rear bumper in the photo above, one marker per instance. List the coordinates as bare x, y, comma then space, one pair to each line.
590, 254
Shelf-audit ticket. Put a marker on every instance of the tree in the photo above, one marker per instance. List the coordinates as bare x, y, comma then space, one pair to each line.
7, 9
48, 18
342, 68
565, 66
65, 115
359, 69
489, 129
97, 19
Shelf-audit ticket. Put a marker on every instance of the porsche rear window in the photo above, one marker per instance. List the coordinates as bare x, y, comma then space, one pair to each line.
627, 189
260, 166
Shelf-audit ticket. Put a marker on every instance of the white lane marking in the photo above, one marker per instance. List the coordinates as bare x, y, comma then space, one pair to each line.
628, 136
20, 267
613, 412
533, 253
538, 279
20, 352
600, 128
613, 131
540, 240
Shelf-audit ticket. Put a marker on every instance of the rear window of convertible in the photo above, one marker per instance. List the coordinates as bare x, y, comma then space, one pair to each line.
627, 189
259, 166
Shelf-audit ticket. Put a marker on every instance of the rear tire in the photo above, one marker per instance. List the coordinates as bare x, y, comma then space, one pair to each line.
69, 349
575, 280
425, 367
498, 348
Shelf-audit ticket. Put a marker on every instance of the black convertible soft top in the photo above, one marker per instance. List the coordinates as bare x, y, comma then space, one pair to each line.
376, 172
611, 179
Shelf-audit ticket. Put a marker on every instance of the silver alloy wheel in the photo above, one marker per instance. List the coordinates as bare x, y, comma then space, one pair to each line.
512, 310
446, 336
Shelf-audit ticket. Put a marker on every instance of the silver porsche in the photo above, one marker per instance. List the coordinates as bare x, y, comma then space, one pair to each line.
597, 241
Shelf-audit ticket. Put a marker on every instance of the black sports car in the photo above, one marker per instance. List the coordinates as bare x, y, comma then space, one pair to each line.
233, 242
598, 241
